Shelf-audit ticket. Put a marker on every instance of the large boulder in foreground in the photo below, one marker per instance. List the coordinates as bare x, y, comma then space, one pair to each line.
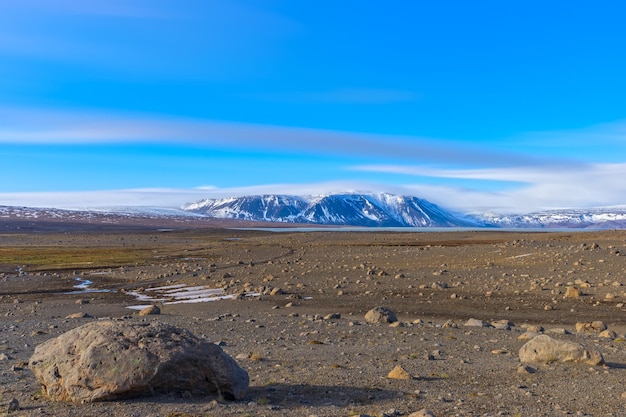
544, 349
108, 360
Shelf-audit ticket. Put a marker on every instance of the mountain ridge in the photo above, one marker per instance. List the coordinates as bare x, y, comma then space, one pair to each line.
346, 209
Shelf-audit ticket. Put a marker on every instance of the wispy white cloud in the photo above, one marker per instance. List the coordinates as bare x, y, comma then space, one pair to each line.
541, 182
175, 197
573, 185
36, 126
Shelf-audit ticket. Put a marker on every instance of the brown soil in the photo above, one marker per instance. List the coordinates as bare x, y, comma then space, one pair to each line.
300, 363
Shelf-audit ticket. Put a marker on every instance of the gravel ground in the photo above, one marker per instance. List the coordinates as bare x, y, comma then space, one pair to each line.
307, 348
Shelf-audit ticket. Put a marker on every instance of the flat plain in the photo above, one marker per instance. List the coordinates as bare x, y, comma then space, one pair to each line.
295, 321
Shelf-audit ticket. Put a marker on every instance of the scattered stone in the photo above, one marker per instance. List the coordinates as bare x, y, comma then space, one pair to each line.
4, 357
525, 369
534, 329
527, 335
422, 413
610, 334
477, 323
558, 330
503, 324
544, 349
590, 327
572, 292
82, 301
399, 373
380, 315
106, 360
277, 291
14, 405
332, 316
81, 315
153, 309
450, 324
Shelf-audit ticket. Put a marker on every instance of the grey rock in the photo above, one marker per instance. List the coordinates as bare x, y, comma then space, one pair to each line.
380, 315
477, 323
107, 360
153, 309
590, 327
544, 349
14, 405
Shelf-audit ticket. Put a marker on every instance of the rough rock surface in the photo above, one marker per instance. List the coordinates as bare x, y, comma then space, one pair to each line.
590, 327
380, 315
544, 349
116, 359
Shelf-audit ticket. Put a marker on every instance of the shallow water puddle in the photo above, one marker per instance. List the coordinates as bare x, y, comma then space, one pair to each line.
179, 294
83, 287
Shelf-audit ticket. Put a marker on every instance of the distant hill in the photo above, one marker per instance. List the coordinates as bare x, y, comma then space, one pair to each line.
592, 218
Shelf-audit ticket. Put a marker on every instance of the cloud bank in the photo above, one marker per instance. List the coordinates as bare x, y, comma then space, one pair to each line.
434, 169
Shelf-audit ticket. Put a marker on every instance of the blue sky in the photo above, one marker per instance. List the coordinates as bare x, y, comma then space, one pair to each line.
514, 106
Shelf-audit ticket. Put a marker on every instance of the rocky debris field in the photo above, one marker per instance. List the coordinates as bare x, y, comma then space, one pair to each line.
459, 311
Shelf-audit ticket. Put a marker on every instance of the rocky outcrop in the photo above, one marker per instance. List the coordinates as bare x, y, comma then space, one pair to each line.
544, 349
115, 359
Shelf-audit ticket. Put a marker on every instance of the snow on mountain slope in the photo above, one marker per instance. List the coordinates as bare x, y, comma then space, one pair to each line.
594, 218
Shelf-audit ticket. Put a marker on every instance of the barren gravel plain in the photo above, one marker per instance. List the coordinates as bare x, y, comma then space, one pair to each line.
295, 321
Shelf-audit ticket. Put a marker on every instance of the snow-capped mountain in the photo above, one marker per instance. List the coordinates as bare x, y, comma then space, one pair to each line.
594, 218
382, 210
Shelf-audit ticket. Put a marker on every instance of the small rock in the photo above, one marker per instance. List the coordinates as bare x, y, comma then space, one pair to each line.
277, 291
557, 330
477, 323
450, 324
82, 301
525, 369
399, 373
14, 405
332, 316
153, 309
502, 324
380, 315
572, 292
544, 349
527, 335
81, 315
610, 334
534, 329
590, 327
